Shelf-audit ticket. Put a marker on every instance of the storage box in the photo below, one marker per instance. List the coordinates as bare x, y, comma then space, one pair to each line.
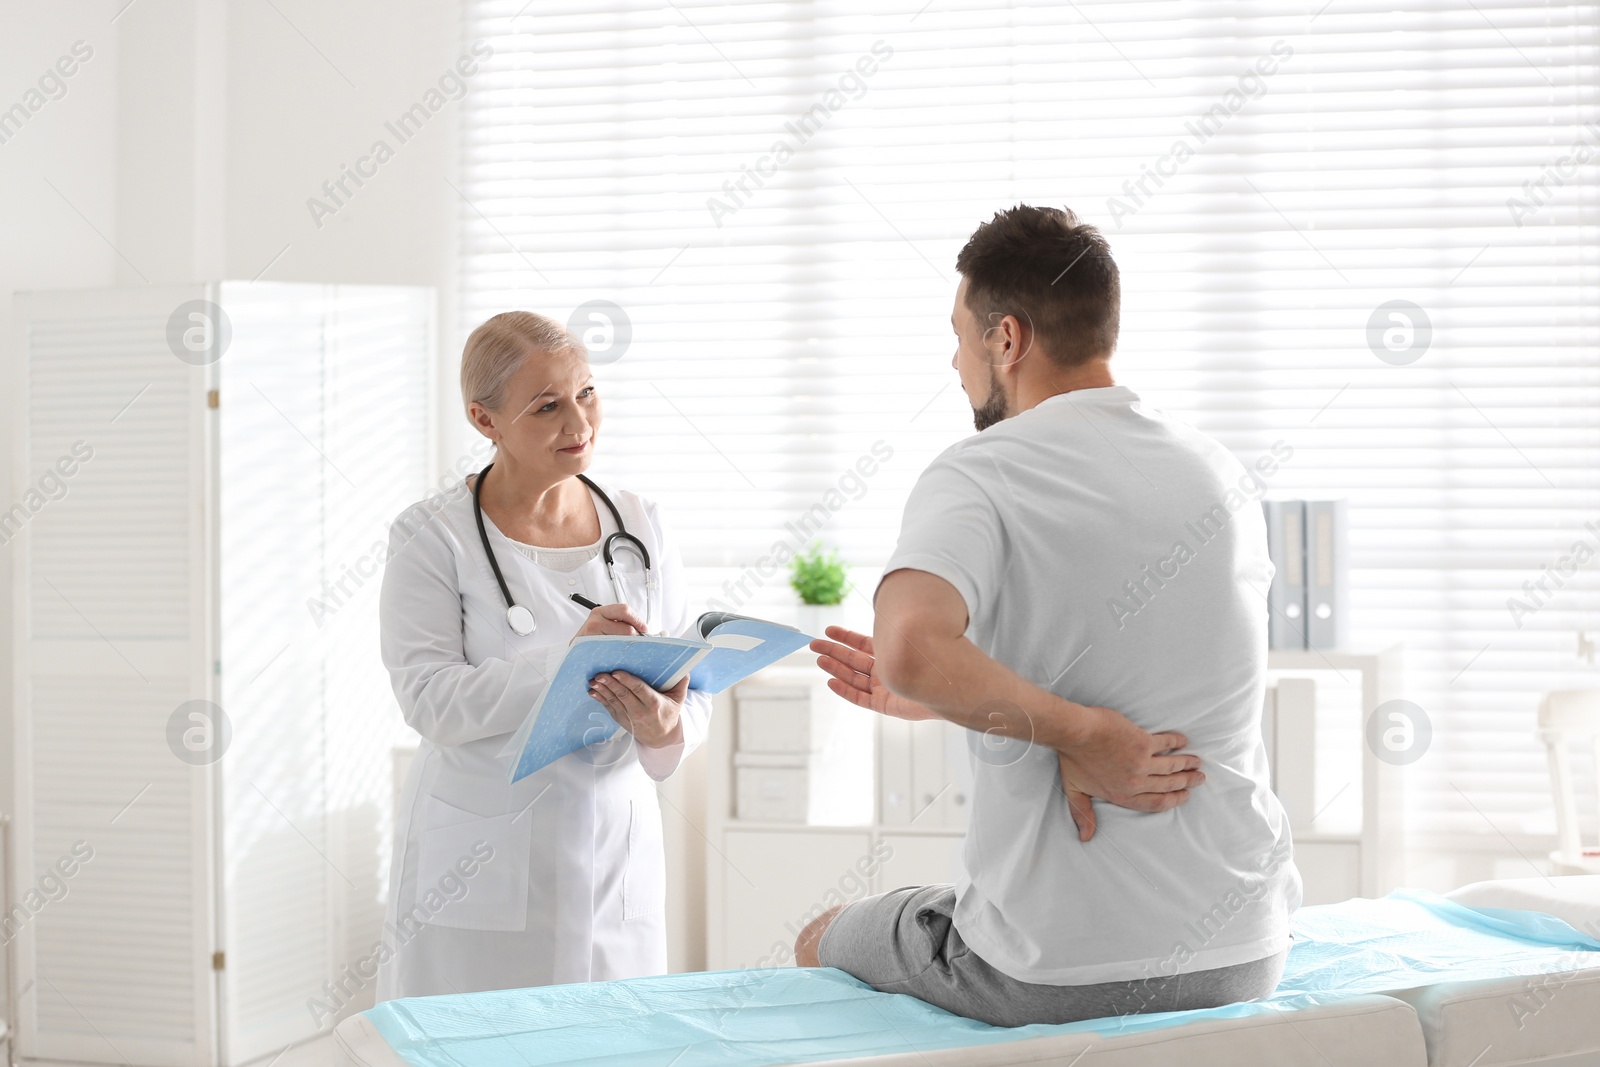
777, 788
784, 719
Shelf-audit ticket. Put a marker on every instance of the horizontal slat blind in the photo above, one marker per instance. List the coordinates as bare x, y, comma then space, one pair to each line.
1269, 174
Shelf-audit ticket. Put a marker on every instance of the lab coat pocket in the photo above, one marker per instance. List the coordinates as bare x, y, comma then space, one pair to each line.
644, 882
472, 871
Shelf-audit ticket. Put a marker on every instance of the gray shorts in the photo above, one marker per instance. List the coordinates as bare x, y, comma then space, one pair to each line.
904, 941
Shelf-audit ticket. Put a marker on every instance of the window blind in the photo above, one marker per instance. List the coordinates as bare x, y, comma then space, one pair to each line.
774, 194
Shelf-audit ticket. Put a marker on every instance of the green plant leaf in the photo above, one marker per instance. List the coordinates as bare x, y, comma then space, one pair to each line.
820, 577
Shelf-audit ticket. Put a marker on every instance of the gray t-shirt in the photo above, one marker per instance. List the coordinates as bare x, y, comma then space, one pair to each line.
1117, 558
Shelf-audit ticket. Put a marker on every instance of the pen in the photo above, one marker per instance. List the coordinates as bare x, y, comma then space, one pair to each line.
583, 601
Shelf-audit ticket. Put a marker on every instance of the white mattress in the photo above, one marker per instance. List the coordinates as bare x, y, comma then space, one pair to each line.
1363, 1031
1518, 1020
1549, 1019
1510, 1021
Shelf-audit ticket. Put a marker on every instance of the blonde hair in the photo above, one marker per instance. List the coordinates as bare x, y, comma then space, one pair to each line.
497, 349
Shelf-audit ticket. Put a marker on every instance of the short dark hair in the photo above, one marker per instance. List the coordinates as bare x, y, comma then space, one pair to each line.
1052, 272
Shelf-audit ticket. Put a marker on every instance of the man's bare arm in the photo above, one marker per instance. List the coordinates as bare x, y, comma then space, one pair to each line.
923, 656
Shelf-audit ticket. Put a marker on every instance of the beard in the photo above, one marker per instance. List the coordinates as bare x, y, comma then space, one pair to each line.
995, 408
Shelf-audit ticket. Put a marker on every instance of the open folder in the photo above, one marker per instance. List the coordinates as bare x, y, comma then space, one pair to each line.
567, 718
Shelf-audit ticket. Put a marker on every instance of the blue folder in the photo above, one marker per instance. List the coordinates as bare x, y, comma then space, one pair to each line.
567, 718
740, 646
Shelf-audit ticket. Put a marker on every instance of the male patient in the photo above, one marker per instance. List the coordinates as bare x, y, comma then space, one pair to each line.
1080, 544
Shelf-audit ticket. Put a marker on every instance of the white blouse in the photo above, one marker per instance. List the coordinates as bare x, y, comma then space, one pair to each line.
565, 560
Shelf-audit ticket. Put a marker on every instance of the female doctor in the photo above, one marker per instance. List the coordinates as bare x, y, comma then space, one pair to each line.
559, 877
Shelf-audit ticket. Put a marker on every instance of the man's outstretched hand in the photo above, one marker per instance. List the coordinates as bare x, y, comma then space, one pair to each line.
848, 658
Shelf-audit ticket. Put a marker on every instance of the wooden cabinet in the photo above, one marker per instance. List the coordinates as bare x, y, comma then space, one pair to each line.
766, 880
918, 859
773, 882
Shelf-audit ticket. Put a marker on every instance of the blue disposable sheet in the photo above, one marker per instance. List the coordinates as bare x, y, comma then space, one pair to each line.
790, 1015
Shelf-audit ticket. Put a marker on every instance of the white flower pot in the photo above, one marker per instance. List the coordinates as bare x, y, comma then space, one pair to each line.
815, 619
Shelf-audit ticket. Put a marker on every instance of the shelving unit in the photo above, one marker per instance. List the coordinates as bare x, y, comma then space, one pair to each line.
1369, 861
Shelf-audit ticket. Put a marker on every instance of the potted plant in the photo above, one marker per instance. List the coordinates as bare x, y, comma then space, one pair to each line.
821, 578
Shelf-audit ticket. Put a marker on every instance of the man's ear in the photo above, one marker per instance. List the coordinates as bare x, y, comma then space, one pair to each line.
1001, 340
1008, 341
1021, 332
1015, 341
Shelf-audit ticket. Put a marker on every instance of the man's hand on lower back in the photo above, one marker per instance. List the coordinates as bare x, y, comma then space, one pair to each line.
1117, 761
925, 666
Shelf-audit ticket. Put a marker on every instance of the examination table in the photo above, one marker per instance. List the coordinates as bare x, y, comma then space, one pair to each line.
1497, 973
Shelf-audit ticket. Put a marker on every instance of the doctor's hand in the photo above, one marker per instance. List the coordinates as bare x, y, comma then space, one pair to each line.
848, 657
650, 716
1116, 760
617, 619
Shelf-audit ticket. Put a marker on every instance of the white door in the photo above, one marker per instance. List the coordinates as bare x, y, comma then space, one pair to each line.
276, 869
324, 430
378, 375
110, 551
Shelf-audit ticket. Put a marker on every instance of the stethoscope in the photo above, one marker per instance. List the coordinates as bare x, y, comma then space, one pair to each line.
519, 618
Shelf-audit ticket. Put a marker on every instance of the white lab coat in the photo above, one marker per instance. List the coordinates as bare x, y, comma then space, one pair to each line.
561, 876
